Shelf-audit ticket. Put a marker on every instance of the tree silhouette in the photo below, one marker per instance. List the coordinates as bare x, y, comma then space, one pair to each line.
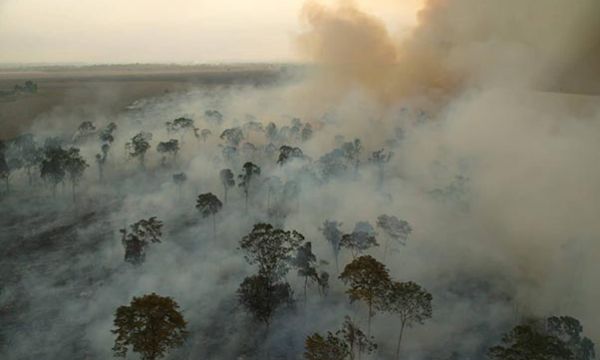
250, 171
287, 153
261, 296
74, 166
330, 347
556, 338
357, 242
307, 132
368, 281
227, 180
271, 131
179, 179
85, 129
24, 153
209, 205
151, 325
305, 262
410, 302
233, 136
380, 158
213, 116
344, 344
52, 168
106, 139
395, 229
106, 134
205, 133
182, 126
142, 234
4, 169
138, 146
331, 232
170, 147
352, 152
270, 249
356, 339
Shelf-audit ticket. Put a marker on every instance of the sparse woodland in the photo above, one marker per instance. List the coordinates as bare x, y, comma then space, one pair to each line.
195, 230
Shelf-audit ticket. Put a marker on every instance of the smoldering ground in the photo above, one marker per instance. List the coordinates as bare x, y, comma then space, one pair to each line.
494, 169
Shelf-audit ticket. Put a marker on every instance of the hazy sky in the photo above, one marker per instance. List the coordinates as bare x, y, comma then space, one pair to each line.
118, 31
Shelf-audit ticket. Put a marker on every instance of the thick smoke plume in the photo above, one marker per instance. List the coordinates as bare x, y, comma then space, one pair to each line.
487, 108
456, 44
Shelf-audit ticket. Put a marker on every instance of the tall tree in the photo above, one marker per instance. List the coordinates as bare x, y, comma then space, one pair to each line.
182, 126
140, 236
271, 131
287, 153
4, 169
410, 302
75, 166
271, 249
356, 339
151, 325
166, 148
368, 281
23, 152
346, 343
556, 338
305, 262
379, 158
213, 116
85, 130
250, 171
262, 296
332, 233
227, 180
233, 136
569, 330
352, 150
138, 146
179, 179
330, 347
106, 138
52, 168
209, 205
357, 242
205, 133
395, 229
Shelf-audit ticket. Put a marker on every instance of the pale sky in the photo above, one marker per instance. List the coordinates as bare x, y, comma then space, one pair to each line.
181, 31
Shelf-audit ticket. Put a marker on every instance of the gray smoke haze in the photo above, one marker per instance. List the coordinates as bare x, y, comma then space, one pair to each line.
494, 168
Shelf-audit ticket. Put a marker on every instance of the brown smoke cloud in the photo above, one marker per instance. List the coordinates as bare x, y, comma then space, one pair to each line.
457, 43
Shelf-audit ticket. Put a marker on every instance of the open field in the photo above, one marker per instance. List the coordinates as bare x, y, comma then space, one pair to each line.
109, 89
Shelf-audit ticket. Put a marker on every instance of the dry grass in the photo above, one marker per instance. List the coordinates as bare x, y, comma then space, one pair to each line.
109, 89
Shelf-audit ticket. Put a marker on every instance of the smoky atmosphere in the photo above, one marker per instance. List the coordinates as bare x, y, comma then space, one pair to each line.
317, 180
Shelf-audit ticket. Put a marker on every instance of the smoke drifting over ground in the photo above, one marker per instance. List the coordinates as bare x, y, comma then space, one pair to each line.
494, 168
